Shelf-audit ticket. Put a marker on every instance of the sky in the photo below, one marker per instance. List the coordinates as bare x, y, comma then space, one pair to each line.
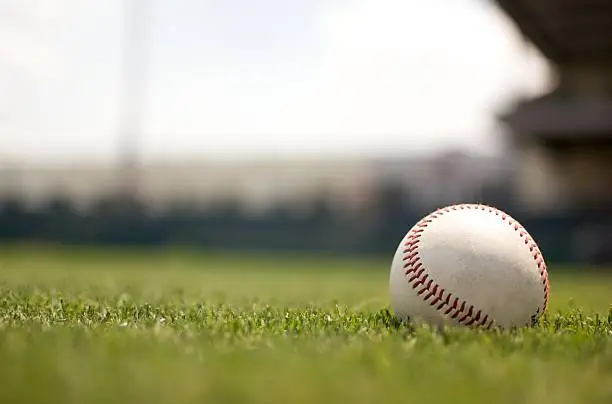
235, 79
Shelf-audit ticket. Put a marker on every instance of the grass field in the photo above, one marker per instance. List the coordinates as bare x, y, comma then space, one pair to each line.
95, 326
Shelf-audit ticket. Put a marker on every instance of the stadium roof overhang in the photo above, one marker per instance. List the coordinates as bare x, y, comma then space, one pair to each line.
565, 31
562, 122
570, 33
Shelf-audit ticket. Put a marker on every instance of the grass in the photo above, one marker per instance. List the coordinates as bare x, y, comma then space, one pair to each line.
96, 326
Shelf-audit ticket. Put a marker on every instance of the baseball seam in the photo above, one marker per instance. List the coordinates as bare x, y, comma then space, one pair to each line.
446, 302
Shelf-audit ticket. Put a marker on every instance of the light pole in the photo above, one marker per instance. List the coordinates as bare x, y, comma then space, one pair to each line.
135, 37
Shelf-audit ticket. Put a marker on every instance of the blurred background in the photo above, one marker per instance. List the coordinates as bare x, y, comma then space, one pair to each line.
307, 125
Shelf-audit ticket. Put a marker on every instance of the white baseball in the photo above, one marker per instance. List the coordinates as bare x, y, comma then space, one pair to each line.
470, 265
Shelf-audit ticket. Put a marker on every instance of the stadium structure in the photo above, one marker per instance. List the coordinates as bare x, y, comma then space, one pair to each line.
563, 139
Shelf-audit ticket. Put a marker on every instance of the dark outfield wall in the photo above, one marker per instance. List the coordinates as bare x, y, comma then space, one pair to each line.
579, 238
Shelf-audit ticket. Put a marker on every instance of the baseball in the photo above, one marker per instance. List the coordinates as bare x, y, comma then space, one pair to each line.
469, 265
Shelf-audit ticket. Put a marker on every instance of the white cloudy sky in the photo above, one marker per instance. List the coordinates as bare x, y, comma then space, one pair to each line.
230, 78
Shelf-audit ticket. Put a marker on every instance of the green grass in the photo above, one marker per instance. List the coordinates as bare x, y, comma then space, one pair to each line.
94, 326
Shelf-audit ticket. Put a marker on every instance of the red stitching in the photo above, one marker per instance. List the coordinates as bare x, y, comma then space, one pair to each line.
459, 310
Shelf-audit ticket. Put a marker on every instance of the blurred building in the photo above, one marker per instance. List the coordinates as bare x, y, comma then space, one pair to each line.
564, 138
450, 177
253, 186
345, 185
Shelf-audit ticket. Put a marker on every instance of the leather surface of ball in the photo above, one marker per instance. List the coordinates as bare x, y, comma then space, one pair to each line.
469, 265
